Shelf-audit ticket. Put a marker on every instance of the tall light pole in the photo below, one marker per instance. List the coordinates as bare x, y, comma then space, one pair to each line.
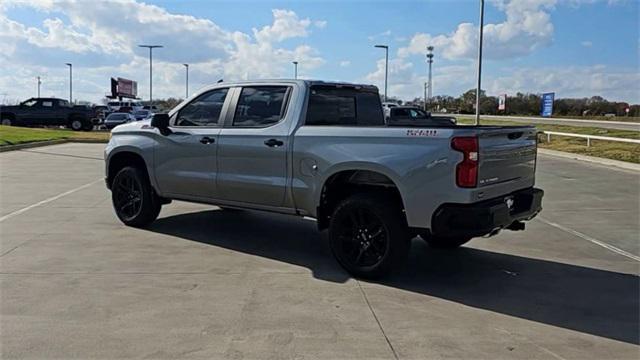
295, 69
70, 82
479, 62
386, 67
425, 96
430, 61
187, 82
39, 82
150, 47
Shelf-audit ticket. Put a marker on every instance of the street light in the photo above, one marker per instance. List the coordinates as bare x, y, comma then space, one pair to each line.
386, 67
70, 82
187, 83
150, 47
39, 82
430, 61
295, 69
479, 62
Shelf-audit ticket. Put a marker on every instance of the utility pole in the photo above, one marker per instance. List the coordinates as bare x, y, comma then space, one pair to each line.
151, 47
70, 83
477, 122
295, 69
39, 82
425, 96
386, 67
430, 61
187, 83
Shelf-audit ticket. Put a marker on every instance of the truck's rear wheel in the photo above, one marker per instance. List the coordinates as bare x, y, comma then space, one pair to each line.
6, 122
440, 242
133, 198
368, 235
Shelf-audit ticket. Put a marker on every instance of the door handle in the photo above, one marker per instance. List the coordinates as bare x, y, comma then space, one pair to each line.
273, 143
207, 140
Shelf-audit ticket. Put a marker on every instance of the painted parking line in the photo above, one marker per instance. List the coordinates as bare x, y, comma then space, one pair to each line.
46, 201
590, 239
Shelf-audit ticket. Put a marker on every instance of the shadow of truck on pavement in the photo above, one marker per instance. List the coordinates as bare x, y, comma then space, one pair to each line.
587, 300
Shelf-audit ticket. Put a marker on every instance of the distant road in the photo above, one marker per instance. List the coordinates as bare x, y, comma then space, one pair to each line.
617, 125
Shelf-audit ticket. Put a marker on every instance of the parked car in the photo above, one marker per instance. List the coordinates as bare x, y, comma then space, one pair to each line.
124, 106
118, 118
48, 112
387, 106
322, 150
414, 116
142, 114
153, 108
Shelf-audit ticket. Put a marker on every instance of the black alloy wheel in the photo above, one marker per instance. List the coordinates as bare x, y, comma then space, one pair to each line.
133, 198
127, 194
368, 235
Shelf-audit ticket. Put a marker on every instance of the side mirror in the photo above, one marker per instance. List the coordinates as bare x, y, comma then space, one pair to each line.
161, 121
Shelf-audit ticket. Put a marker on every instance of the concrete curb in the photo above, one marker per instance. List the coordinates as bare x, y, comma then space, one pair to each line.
47, 143
596, 160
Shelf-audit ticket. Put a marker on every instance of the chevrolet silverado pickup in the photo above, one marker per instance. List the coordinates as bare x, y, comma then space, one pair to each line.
323, 150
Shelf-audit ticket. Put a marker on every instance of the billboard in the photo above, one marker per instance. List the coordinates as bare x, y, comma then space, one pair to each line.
502, 102
124, 88
546, 106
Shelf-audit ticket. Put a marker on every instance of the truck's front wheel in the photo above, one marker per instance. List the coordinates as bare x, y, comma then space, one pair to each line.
368, 235
133, 198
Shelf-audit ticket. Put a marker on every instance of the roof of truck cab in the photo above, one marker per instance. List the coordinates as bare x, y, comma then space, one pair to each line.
302, 82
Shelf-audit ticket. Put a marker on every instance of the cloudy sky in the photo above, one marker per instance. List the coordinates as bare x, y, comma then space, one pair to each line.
576, 48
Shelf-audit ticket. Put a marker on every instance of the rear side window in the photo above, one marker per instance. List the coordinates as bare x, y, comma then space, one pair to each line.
260, 106
204, 110
333, 106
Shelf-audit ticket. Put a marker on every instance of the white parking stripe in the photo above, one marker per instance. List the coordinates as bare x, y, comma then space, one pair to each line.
590, 239
18, 212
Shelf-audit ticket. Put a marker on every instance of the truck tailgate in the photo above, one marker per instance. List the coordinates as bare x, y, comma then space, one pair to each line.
506, 154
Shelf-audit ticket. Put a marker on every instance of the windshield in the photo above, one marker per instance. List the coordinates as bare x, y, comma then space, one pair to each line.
30, 102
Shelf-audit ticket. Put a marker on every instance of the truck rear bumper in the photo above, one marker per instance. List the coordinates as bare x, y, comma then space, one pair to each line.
485, 217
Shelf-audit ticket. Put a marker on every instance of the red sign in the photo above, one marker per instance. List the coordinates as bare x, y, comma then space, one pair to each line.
125, 88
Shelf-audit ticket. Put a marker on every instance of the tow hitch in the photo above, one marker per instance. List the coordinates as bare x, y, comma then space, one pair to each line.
516, 226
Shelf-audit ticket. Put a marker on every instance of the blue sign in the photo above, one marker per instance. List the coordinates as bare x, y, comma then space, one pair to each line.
546, 108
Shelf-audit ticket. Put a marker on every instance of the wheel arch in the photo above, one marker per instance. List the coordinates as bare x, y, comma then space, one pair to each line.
345, 181
121, 159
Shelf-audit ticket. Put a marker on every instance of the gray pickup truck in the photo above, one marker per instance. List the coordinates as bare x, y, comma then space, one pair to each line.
322, 150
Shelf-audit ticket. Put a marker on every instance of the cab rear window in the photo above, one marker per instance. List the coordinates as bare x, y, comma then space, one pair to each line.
343, 106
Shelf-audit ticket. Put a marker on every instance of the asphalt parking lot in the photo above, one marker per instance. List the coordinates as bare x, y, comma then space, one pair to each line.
208, 283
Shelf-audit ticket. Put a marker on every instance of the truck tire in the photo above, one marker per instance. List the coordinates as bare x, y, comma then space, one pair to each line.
6, 122
368, 235
76, 124
440, 242
133, 198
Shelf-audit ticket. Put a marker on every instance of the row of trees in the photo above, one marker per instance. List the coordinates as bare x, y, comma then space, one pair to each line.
528, 104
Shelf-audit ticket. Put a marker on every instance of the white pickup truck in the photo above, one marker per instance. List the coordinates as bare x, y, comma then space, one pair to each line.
323, 150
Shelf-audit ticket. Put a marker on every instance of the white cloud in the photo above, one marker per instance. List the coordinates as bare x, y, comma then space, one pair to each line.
586, 43
527, 27
100, 47
568, 82
286, 25
320, 24
345, 63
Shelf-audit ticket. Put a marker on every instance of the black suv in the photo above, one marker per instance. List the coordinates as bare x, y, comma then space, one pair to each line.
48, 112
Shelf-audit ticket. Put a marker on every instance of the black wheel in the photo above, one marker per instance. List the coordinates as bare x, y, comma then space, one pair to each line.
133, 198
6, 122
76, 124
440, 242
368, 235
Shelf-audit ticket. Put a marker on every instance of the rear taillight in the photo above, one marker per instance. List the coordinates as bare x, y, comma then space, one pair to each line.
467, 169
